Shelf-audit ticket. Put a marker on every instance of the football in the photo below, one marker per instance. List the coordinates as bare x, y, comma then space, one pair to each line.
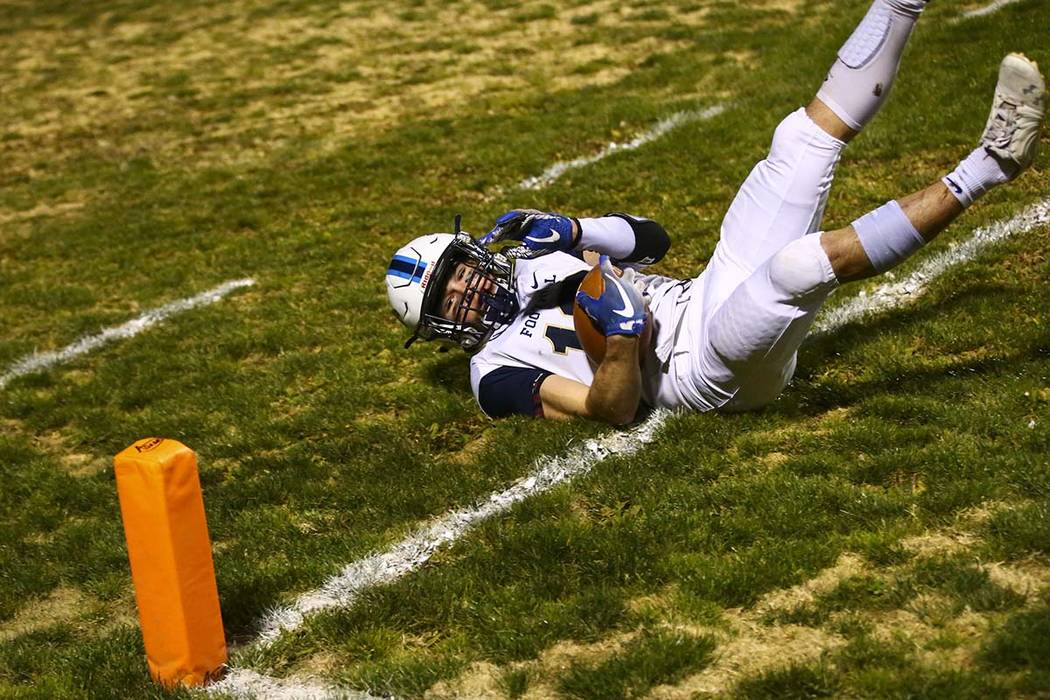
590, 336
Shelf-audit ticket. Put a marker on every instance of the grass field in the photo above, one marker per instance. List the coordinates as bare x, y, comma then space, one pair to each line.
882, 530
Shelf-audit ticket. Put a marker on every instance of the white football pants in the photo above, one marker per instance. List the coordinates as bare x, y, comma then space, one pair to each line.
750, 309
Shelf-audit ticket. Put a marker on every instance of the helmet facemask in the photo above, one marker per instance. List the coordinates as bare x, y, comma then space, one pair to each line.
488, 291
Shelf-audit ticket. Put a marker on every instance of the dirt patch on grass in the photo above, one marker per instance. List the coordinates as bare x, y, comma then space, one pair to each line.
75, 463
847, 566
62, 605
752, 649
320, 665
57, 209
564, 654
180, 86
57, 446
980, 514
470, 451
544, 671
940, 635
1027, 578
939, 542
12, 427
930, 624
949, 642
480, 681
790, 6
659, 603
959, 536
748, 647
80, 464
821, 424
773, 460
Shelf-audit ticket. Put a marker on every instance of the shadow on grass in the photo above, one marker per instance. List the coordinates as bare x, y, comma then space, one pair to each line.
451, 371
819, 351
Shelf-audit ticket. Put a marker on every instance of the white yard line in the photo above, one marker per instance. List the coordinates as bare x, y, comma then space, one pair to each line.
891, 295
412, 552
245, 684
40, 361
986, 10
659, 129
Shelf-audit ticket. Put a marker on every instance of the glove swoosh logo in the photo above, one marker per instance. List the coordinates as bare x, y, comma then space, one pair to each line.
628, 308
553, 238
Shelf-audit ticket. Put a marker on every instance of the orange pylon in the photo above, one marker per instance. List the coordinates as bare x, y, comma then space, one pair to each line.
171, 563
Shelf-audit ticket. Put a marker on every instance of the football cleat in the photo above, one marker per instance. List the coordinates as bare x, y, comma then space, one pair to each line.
1012, 131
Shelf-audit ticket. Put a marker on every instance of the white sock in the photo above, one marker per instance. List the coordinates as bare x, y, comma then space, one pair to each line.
977, 173
860, 79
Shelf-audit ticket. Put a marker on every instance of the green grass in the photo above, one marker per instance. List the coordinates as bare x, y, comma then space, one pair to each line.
155, 149
650, 659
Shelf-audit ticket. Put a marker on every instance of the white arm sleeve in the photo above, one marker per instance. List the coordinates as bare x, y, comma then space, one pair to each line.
610, 235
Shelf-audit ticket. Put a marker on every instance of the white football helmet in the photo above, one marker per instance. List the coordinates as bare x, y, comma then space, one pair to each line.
417, 278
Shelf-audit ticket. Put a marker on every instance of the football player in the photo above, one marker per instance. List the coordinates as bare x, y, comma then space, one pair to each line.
728, 338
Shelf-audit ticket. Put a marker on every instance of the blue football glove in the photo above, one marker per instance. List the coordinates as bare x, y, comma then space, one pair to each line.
540, 233
620, 309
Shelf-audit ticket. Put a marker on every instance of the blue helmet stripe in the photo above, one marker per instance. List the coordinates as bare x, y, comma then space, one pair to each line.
407, 268
403, 275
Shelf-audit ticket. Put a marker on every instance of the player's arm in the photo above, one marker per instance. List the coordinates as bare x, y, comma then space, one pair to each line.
614, 395
613, 398
625, 238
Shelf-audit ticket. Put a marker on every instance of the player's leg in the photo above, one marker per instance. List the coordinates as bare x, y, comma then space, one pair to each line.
860, 79
752, 339
784, 196
883, 238
748, 353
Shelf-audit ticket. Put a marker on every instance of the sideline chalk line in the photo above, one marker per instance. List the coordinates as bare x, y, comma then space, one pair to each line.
402, 558
39, 361
656, 131
986, 10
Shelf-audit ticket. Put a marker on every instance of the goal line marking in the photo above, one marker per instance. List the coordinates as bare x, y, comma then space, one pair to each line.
663, 126
40, 361
986, 10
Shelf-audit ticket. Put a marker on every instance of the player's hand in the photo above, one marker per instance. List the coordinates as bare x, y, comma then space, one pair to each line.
620, 310
540, 233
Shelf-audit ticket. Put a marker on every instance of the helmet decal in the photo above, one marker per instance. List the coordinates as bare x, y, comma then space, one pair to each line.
407, 268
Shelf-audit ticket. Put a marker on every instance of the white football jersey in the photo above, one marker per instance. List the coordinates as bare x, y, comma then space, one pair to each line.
546, 340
